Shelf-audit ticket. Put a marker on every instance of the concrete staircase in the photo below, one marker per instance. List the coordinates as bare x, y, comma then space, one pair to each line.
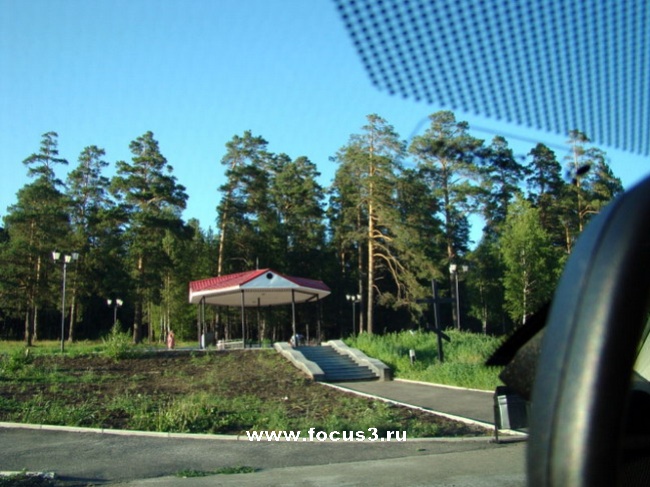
334, 361
336, 366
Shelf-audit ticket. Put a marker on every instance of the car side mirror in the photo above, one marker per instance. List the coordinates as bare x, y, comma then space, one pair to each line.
589, 423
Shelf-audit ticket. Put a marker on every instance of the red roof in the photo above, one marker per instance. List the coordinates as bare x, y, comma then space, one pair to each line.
226, 281
262, 287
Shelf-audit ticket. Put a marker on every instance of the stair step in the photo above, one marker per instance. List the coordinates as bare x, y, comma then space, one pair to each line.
335, 366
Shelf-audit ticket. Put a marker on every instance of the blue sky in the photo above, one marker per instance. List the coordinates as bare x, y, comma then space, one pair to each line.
197, 72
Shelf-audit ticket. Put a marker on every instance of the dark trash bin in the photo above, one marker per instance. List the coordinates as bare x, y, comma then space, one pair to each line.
510, 410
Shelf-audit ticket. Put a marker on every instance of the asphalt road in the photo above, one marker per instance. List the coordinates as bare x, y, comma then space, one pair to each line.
85, 458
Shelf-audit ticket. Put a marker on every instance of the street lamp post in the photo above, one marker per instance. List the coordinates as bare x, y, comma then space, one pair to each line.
66, 259
116, 304
454, 271
354, 299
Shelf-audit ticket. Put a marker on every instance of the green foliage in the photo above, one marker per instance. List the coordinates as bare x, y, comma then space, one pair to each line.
502, 176
485, 285
368, 220
547, 191
51, 347
464, 357
531, 265
592, 184
195, 413
153, 201
387, 230
446, 155
118, 344
15, 362
244, 215
24, 479
41, 164
39, 410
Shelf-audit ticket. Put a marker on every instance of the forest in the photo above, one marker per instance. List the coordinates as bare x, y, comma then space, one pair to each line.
395, 218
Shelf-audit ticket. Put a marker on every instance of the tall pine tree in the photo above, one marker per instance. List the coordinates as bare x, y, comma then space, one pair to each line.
36, 225
153, 201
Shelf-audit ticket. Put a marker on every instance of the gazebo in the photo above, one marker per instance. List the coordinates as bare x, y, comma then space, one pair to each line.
258, 288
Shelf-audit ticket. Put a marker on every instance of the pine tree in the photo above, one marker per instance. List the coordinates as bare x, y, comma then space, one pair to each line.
90, 206
501, 177
446, 156
153, 201
41, 164
298, 201
367, 218
244, 206
546, 191
36, 225
447, 159
592, 185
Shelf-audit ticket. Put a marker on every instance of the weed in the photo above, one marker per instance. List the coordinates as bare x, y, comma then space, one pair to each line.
41, 410
189, 473
235, 470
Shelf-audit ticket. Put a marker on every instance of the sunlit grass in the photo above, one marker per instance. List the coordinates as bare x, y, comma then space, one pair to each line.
464, 357
76, 348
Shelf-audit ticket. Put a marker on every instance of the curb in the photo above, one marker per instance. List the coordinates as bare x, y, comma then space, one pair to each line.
115, 432
202, 436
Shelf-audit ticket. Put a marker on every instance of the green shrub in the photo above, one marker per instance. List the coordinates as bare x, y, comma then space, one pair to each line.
24, 479
118, 344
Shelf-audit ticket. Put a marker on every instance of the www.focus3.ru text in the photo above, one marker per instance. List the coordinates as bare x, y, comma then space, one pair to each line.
371, 434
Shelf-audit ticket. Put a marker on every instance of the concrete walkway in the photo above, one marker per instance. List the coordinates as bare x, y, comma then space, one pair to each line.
464, 404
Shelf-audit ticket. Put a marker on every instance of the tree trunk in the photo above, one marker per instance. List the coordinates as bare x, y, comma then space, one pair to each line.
525, 299
222, 239
35, 323
151, 332
137, 321
38, 279
449, 236
28, 328
360, 271
484, 310
371, 269
137, 318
